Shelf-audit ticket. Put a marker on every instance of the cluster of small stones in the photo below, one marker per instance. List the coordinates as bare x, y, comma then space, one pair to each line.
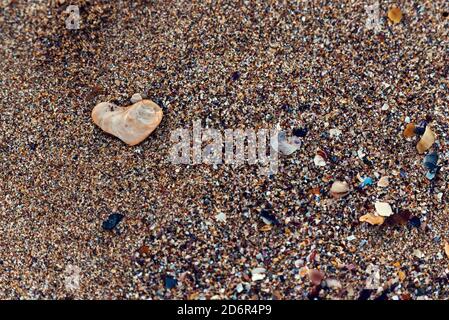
249, 64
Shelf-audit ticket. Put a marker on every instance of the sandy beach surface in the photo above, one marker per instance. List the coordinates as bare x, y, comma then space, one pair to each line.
203, 231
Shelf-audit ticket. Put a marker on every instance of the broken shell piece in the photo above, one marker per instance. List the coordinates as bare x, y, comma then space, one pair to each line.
339, 189
281, 144
383, 182
130, 124
446, 249
409, 130
367, 181
431, 174
315, 277
383, 209
395, 14
418, 253
427, 140
258, 274
221, 217
333, 284
319, 161
430, 161
136, 98
335, 133
360, 153
372, 219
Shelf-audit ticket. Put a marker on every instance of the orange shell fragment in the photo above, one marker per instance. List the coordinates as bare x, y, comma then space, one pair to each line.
395, 14
372, 219
409, 130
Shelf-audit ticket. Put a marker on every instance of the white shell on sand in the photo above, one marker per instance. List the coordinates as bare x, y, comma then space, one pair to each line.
130, 124
383, 209
221, 217
339, 189
258, 274
285, 146
319, 161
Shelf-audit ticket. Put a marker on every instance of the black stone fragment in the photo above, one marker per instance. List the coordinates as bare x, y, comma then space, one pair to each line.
112, 221
300, 132
235, 76
267, 215
415, 222
420, 131
367, 161
303, 107
365, 294
421, 128
206, 201
170, 282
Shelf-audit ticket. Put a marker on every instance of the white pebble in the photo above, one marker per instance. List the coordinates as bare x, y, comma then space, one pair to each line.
136, 98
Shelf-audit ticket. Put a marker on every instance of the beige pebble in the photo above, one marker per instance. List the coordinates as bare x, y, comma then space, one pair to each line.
136, 98
383, 182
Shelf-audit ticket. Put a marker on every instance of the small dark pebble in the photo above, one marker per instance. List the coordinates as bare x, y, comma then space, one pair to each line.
359, 100
334, 159
286, 108
365, 294
314, 293
367, 161
420, 131
32, 146
235, 76
206, 201
112, 221
382, 297
421, 128
423, 124
170, 282
304, 107
415, 222
265, 213
300, 132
